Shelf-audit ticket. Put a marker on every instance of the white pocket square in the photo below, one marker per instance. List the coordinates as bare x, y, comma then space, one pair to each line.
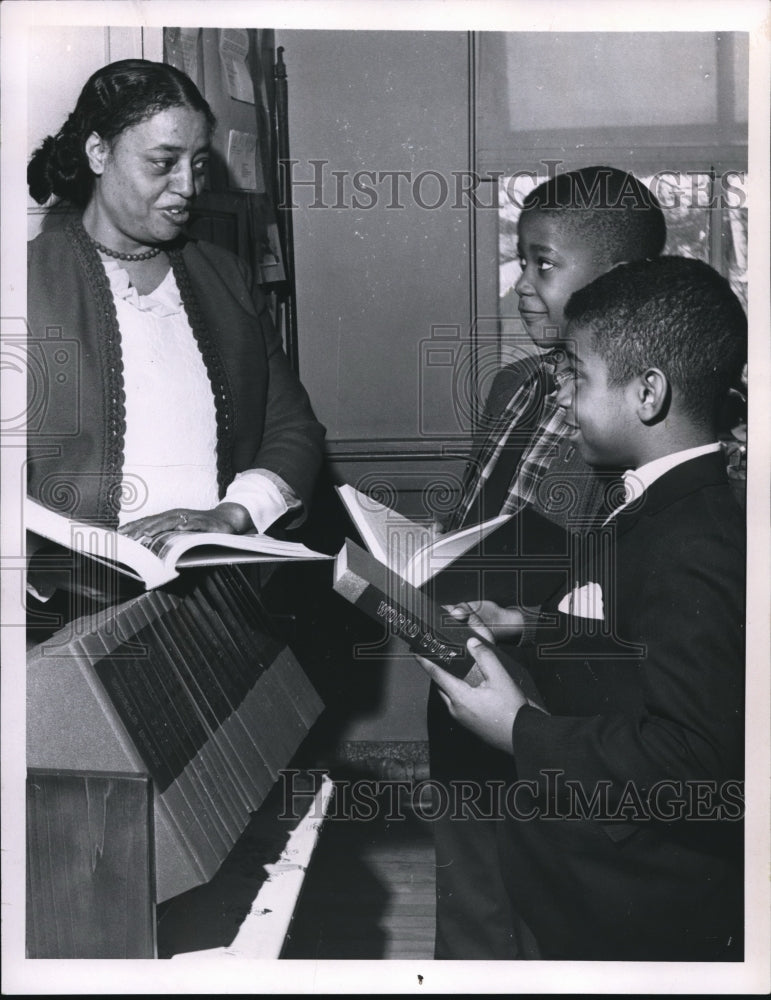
584, 602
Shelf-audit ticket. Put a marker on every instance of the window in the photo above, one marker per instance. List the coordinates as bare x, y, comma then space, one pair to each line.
670, 107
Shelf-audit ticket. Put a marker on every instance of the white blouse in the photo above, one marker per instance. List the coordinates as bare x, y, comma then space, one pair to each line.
170, 447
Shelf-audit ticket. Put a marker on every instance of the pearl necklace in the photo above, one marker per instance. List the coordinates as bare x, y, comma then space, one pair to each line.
126, 256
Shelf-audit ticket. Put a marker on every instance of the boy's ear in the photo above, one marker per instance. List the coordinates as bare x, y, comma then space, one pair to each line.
653, 394
96, 152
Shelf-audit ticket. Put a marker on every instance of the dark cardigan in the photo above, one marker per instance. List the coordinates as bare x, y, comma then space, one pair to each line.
76, 414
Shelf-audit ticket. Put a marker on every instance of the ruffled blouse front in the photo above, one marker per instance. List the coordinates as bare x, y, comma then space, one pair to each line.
171, 431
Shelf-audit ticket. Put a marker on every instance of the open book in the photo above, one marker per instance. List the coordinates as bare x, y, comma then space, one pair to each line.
159, 561
407, 547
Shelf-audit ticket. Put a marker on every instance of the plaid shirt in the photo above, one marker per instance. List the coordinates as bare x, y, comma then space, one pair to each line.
538, 388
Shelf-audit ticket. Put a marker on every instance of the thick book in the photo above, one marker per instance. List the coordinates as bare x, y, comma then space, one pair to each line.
161, 560
407, 547
409, 614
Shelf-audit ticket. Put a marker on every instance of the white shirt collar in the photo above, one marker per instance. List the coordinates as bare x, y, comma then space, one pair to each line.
637, 481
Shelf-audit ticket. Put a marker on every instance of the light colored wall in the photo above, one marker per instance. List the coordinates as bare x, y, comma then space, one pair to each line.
60, 60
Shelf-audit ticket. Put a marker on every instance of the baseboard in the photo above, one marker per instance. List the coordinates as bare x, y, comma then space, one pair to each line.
385, 759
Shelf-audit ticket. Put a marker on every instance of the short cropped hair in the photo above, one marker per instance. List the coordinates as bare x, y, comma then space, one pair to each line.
620, 215
672, 313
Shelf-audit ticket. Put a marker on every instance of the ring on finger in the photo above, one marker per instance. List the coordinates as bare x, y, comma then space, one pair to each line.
183, 518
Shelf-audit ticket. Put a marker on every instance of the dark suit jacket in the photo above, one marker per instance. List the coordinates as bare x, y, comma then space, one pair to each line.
648, 715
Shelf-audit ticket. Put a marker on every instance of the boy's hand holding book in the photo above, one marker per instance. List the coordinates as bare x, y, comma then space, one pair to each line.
489, 619
488, 709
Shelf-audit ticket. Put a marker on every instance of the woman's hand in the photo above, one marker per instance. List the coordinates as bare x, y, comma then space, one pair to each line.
228, 518
489, 619
488, 710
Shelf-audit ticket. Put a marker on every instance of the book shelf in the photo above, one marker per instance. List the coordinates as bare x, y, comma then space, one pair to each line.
156, 729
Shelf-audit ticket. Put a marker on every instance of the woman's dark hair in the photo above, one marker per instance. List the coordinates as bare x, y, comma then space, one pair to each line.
114, 98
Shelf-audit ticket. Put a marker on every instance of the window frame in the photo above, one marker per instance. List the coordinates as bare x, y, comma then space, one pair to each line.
707, 149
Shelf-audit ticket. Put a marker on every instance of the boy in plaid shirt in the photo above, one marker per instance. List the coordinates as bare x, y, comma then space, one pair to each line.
573, 228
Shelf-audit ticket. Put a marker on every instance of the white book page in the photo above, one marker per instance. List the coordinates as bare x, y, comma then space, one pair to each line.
180, 548
409, 548
440, 552
103, 544
390, 537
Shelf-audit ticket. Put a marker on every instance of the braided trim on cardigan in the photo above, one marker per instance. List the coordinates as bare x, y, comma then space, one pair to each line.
215, 368
108, 342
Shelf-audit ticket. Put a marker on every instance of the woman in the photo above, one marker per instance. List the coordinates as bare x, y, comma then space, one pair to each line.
182, 411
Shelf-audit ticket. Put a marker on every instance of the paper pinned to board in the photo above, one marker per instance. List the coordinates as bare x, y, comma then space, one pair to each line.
182, 46
271, 267
234, 49
244, 164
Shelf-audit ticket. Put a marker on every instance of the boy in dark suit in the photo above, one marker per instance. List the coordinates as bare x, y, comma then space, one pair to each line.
573, 228
622, 838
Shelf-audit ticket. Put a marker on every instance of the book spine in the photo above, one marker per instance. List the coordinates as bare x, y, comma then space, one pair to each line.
411, 615
141, 698
209, 701
247, 604
244, 670
298, 688
292, 680
259, 649
214, 674
418, 625
116, 677
227, 661
205, 760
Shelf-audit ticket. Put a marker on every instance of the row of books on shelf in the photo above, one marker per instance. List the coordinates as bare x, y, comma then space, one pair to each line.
190, 688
